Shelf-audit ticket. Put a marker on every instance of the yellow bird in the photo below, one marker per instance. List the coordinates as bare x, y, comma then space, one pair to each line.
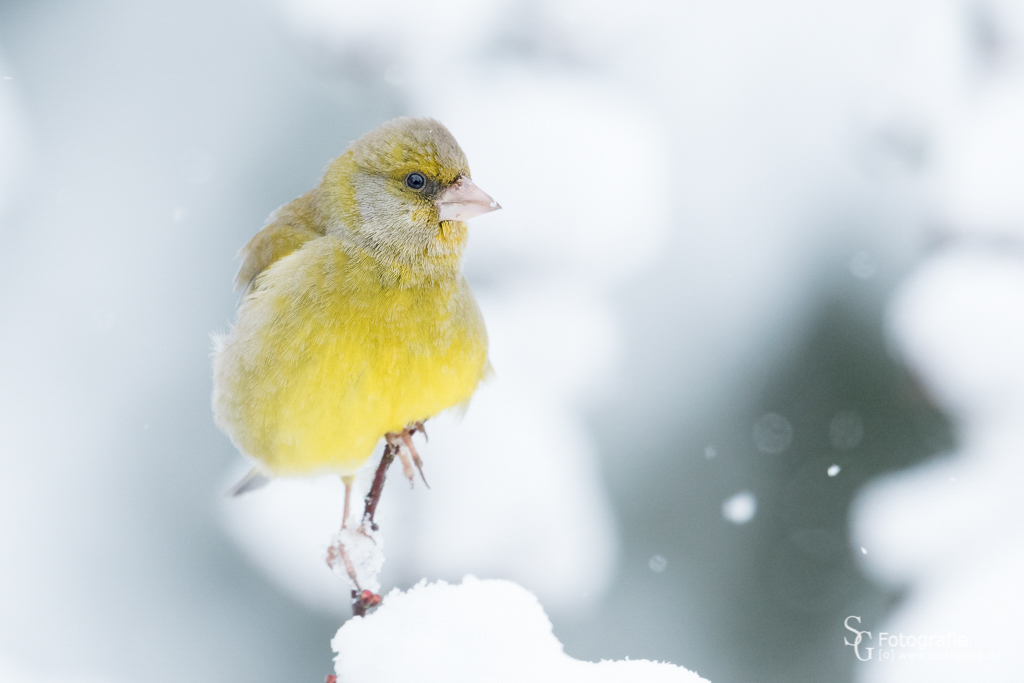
356, 321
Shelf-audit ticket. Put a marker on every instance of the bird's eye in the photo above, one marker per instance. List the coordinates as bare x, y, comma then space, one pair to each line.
415, 181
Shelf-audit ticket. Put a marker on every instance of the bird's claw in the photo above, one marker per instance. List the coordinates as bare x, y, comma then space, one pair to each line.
403, 455
419, 466
407, 440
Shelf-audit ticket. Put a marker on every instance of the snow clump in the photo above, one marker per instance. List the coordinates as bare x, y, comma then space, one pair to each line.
493, 631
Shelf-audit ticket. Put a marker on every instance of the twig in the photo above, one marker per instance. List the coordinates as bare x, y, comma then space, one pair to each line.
373, 497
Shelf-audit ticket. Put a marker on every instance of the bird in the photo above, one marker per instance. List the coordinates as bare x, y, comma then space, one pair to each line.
355, 321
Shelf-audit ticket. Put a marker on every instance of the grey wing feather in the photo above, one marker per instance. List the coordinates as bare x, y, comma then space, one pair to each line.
250, 482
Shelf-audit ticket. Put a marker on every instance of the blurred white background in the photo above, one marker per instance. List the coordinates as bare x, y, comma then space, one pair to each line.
742, 243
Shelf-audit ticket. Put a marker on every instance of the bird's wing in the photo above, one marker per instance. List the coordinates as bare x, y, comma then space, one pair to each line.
288, 228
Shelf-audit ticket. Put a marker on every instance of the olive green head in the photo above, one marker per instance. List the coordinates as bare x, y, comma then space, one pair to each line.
402, 193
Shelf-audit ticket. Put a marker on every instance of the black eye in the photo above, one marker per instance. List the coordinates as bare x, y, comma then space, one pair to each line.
415, 181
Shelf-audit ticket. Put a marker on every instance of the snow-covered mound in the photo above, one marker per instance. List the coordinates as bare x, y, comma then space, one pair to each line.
476, 631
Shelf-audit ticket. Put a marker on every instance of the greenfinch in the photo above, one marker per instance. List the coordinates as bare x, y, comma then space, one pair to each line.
356, 321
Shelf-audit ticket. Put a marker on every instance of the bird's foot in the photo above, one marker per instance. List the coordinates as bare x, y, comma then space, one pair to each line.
402, 446
361, 599
397, 444
407, 438
408, 454
335, 554
361, 530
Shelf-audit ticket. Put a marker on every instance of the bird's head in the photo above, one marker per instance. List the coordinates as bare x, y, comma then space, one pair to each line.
402, 194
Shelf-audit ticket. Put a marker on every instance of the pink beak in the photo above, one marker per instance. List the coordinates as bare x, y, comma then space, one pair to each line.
463, 201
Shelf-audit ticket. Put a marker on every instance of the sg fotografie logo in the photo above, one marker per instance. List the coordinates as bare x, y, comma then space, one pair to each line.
888, 647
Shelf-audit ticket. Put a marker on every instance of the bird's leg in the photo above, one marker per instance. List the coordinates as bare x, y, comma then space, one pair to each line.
407, 439
347, 481
373, 497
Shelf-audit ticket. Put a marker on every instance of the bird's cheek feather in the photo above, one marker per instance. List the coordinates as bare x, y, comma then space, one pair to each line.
424, 215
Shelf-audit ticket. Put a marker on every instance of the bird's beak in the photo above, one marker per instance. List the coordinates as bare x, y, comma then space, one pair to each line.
464, 200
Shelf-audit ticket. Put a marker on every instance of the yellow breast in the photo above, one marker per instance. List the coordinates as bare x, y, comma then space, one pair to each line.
326, 358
